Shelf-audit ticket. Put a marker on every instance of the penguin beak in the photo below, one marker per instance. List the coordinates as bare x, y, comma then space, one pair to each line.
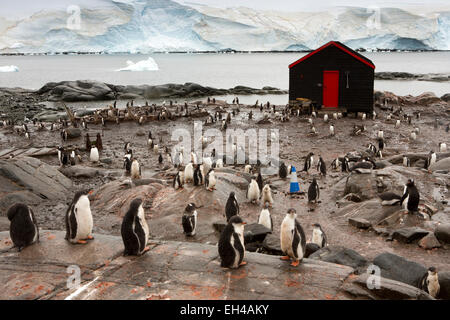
244, 222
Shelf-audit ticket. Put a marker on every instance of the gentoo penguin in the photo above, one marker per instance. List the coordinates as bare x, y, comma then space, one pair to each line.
135, 169
406, 161
79, 221
219, 163
318, 236
260, 182
177, 181
135, 230
331, 130
372, 148
413, 136
210, 180
267, 195
313, 191
442, 147
430, 282
292, 238
232, 207
410, 197
308, 161
325, 117
265, 218
160, 158
127, 162
390, 198
198, 177
207, 164
94, 156
335, 164
247, 168
397, 124
431, 159
345, 165
127, 147
364, 116
379, 154
321, 167
189, 173
380, 134
231, 244
88, 142
189, 220
282, 171
72, 158
98, 142
253, 191
63, 157
23, 229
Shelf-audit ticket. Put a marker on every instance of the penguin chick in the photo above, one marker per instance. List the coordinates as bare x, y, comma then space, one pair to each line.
134, 230
231, 245
210, 180
430, 282
267, 195
253, 191
94, 156
23, 228
135, 169
265, 218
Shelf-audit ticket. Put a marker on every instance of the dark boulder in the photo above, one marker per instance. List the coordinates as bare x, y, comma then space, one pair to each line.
255, 232
429, 242
444, 283
271, 245
410, 234
442, 233
311, 248
399, 269
340, 255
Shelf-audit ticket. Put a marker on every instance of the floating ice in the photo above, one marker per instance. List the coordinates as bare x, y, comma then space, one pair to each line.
143, 65
9, 68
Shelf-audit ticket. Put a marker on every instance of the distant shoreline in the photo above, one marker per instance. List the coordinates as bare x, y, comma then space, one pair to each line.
230, 51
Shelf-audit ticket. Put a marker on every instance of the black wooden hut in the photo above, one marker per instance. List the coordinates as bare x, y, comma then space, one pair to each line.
333, 76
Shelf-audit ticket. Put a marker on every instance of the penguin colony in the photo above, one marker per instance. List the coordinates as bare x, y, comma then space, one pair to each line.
135, 231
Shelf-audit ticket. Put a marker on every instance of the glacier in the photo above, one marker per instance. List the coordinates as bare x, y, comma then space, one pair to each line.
146, 26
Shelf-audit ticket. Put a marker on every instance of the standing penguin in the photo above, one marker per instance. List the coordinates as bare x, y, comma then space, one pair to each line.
177, 181
406, 161
431, 159
189, 220
267, 195
321, 167
430, 282
210, 180
189, 173
231, 244
135, 230
79, 221
232, 206
259, 179
265, 218
23, 229
308, 161
282, 171
88, 142
318, 236
160, 158
253, 191
98, 142
313, 191
410, 196
292, 238
94, 156
198, 177
135, 169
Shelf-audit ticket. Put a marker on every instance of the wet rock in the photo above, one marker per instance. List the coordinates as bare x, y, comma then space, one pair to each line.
364, 185
272, 244
359, 223
400, 269
429, 242
372, 211
30, 180
384, 289
381, 231
310, 249
340, 255
106, 160
255, 232
441, 165
73, 133
442, 233
81, 172
444, 283
408, 235
441, 217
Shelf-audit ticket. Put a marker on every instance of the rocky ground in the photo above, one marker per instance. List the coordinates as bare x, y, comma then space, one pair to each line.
358, 228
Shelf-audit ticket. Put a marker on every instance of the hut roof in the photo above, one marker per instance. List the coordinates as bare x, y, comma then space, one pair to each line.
341, 46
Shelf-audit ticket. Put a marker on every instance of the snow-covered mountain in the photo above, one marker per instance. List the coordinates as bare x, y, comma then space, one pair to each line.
165, 25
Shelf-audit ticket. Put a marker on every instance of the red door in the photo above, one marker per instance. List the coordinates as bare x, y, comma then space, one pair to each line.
330, 89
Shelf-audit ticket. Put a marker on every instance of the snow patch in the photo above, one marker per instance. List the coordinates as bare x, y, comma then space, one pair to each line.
143, 65
9, 68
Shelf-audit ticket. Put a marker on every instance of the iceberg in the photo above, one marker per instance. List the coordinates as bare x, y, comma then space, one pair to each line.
9, 68
143, 65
